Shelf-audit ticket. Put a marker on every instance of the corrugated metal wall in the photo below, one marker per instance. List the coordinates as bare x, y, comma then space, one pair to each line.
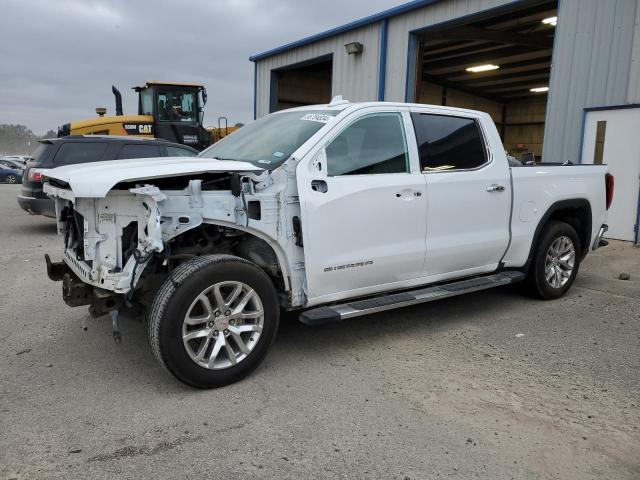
401, 25
592, 67
354, 76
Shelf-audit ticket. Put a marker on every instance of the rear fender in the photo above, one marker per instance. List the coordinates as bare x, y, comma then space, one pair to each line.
555, 208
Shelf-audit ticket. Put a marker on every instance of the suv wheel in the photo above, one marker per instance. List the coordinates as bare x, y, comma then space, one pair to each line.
213, 321
556, 261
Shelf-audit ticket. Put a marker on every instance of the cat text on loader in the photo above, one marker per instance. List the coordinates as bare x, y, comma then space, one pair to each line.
169, 110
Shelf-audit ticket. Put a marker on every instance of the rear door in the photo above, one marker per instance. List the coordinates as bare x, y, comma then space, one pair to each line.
363, 205
468, 194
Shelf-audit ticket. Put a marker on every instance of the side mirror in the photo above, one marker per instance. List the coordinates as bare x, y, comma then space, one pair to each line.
236, 185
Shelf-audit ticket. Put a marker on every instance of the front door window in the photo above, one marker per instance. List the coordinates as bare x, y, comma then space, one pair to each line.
374, 144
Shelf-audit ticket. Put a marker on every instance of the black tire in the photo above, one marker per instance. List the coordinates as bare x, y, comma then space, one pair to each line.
537, 283
11, 179
173, 301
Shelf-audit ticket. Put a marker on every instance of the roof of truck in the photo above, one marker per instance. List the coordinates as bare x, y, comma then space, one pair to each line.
339, 104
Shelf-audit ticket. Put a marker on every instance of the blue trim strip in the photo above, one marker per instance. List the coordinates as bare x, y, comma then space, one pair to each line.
382, 70
584, 123
612, 107
407, 7
255, 91
637, 242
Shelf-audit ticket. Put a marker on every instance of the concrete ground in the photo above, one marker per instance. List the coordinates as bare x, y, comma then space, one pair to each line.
492, 385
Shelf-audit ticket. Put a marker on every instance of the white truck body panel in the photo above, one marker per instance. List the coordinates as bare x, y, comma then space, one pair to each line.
96, 179
536, 188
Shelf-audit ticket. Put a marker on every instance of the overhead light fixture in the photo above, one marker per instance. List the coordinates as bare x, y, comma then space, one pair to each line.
540, 89
354, 48
482, 68
553, 21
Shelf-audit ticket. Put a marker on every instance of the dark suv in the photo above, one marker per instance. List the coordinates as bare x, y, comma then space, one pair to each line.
69, 150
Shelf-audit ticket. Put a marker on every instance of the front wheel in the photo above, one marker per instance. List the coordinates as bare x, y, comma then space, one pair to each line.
11, 179
213, 320
555, 262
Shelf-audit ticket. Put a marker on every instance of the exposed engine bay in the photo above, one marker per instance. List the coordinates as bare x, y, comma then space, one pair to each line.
119, 249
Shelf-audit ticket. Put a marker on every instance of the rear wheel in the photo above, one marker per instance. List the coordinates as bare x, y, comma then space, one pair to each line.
213, 321
556, 261
11, 179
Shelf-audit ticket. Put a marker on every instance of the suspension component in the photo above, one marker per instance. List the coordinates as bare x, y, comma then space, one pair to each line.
115, 326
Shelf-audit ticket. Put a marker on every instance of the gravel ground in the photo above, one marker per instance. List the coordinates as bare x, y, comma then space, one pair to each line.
492, 385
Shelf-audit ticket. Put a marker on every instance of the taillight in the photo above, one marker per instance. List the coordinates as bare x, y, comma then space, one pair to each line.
35, 175
609, 184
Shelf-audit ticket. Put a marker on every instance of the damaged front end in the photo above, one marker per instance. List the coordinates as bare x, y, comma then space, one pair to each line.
77, 293
120, 247
107, 244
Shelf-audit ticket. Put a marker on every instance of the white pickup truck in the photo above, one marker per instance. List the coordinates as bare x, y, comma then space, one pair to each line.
336, 210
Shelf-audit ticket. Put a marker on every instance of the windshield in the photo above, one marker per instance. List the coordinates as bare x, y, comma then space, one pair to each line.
270, 140
177, 105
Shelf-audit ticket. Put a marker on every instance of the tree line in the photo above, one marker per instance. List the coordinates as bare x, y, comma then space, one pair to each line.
19, 139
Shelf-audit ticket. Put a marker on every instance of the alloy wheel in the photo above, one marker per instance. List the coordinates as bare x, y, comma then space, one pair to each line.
223, 324
560, 262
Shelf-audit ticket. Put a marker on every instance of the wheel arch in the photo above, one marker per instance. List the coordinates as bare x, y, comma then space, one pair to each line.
274, 246
577, 213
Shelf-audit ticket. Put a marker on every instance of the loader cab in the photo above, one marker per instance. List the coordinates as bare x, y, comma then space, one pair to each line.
177, 110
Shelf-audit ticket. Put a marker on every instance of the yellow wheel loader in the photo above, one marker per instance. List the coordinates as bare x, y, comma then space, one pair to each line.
169, 110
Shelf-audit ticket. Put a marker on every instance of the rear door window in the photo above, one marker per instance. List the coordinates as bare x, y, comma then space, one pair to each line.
80, 152
448, 143
43, 153
140, 151
179, 152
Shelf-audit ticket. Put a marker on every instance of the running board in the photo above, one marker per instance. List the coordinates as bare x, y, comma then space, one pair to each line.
336, 313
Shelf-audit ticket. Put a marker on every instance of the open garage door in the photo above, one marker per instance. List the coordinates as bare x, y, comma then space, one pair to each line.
307, 83
500, 64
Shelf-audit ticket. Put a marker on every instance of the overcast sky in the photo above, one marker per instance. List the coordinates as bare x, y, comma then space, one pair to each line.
59, 58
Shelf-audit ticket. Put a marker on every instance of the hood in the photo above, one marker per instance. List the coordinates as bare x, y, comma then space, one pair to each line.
94, 180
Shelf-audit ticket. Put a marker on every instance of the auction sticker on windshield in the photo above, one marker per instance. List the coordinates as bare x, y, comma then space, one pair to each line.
316, 117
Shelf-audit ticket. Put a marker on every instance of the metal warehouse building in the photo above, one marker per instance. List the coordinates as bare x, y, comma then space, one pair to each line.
561, 78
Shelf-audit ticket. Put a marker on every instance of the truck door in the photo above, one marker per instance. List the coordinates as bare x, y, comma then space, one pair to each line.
468, 194
363, 203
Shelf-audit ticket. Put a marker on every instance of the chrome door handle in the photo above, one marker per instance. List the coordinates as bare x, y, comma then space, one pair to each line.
495, 188
415, 193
